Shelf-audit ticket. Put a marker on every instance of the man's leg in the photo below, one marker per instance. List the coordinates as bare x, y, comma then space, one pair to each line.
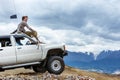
28, 33
32, 34
35, 35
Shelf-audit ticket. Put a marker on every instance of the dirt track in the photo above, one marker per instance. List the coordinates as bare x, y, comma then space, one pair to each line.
69, 74
27, 74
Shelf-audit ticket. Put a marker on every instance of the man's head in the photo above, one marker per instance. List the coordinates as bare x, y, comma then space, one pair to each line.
25, 18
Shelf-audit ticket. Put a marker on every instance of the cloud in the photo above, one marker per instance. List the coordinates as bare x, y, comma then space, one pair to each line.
75, 13
74, 40
83, 25
61, 14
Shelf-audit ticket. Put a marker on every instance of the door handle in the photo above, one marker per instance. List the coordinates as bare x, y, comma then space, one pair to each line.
1, 49
19, 48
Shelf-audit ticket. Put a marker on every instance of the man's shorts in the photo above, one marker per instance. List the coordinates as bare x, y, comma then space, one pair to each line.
31, 33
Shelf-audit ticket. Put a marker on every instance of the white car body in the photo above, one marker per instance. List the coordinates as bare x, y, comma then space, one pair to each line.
22, 55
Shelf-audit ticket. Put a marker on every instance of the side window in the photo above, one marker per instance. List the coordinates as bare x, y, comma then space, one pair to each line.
25, 41
20, 41
5, 42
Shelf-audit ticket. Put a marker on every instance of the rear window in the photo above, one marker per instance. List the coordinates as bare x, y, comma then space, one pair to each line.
5, 41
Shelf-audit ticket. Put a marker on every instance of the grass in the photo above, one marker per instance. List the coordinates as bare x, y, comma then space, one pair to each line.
97, 76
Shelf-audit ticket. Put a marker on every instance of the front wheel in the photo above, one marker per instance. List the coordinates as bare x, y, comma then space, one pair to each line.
55, 65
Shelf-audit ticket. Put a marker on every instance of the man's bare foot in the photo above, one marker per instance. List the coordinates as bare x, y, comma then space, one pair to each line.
39, 42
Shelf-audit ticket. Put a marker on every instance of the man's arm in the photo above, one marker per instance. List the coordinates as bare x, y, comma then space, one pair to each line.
28, 27
14, 31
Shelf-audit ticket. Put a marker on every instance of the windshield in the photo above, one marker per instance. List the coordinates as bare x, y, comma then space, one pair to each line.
24, 40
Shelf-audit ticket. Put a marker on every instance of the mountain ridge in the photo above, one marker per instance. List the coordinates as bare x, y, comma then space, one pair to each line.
106, 61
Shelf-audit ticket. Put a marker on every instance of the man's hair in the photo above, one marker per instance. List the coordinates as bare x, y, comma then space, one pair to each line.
24, 17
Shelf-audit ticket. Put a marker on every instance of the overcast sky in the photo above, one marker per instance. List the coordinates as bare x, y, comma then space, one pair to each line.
83, 25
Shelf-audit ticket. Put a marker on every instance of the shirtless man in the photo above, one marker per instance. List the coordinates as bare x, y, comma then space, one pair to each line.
21, 29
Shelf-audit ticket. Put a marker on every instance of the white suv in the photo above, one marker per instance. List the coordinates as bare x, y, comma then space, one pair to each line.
18, 50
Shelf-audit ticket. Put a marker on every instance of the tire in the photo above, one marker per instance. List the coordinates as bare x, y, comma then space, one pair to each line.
1, 70
55, 65
39, 69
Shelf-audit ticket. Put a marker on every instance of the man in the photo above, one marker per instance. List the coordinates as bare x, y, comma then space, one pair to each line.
21, 29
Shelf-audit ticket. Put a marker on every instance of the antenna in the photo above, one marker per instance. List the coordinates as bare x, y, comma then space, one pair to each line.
14, 16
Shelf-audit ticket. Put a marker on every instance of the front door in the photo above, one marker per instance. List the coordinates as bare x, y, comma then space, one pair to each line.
27, 50
7, 51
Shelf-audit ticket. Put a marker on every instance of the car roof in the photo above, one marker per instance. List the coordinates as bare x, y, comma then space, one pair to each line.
7, 36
